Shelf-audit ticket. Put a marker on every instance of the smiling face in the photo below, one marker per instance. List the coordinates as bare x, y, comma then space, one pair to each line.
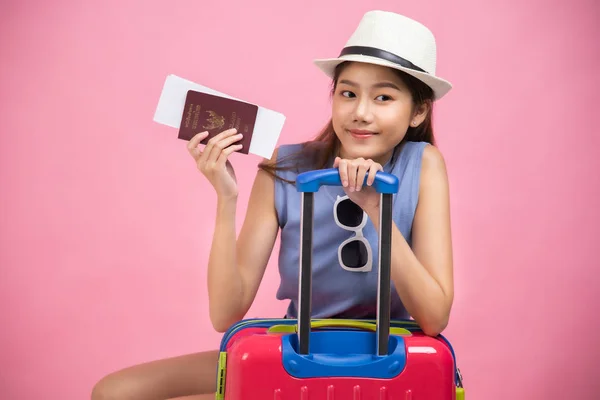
371, 111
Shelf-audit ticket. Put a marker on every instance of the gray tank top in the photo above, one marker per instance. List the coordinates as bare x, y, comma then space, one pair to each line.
340, 292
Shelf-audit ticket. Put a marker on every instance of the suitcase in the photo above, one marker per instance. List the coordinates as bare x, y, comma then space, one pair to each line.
337, 359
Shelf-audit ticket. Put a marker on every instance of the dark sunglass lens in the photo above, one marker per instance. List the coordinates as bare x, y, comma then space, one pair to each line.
349, 214
354, 254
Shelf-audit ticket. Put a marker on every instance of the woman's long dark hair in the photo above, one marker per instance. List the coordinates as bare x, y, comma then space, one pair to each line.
315, 154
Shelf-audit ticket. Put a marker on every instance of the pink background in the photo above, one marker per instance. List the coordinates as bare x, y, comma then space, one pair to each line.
106, 223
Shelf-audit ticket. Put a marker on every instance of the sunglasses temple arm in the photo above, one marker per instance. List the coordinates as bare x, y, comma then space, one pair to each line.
305, 272
384, 282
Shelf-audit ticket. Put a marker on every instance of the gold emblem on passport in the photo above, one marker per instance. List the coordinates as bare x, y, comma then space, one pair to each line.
214, 121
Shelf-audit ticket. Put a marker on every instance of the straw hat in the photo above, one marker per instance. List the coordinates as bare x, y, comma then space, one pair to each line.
395, 41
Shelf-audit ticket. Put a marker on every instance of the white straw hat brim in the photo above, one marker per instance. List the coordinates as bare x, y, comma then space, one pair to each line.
439, 86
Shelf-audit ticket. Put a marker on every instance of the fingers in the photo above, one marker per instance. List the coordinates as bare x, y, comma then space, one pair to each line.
363, 168
343, 168
215, 146
193, 143
219, 146
222, 160
354, 172
372, 172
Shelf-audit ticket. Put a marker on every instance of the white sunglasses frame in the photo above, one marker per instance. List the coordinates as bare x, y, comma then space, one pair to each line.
358, 236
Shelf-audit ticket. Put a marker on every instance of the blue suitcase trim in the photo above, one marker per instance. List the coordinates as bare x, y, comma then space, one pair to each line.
329, 355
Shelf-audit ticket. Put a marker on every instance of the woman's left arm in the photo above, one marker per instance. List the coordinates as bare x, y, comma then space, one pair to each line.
423, 275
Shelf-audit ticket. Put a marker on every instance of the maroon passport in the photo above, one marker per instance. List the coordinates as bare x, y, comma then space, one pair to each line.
215, 114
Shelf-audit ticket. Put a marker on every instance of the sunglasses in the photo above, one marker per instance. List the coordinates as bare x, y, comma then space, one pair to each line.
354, 254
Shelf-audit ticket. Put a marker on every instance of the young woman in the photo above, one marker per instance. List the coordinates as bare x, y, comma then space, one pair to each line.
384, 87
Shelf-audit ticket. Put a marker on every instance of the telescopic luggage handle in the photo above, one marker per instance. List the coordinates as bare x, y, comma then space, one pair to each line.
310, 182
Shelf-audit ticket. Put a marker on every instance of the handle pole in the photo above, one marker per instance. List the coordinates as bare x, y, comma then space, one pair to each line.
385, 271
305, 272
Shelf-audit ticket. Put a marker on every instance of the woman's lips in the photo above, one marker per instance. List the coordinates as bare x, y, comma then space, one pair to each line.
361, 133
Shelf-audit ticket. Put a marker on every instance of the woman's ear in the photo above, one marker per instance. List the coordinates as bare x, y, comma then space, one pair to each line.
420, 114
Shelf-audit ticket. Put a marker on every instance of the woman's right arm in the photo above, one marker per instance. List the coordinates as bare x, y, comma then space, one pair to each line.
236, 265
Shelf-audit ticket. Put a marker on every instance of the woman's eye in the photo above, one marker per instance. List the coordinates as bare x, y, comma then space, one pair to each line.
347, 93
383, 97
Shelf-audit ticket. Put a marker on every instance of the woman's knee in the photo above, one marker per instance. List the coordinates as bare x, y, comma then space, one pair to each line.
161, 379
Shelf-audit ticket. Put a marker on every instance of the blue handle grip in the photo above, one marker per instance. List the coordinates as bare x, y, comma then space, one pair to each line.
311, 181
